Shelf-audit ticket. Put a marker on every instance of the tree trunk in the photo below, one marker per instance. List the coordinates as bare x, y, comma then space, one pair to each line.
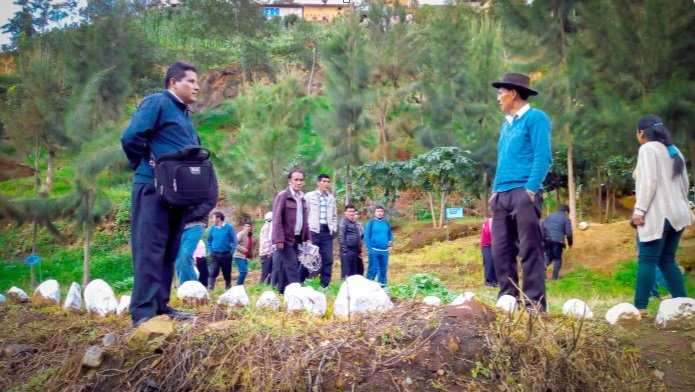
442, 208
434, 217
608, 206
37, 151
600, 193
87, 245
311, 73
272, 176
50, 169
347, 184
571, 188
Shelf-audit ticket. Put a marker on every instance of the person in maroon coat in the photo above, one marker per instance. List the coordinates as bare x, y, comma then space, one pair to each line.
290, 228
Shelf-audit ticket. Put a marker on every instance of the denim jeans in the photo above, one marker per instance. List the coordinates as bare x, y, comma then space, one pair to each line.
184, 260
378, 266
242, 264
659, 253
489, 266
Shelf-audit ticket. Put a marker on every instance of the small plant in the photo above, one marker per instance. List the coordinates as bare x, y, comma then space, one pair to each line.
480, 370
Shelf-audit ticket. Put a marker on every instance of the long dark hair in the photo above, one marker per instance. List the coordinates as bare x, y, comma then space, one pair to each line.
655, 130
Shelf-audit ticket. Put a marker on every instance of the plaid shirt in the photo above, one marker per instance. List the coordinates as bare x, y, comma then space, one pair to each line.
323, 209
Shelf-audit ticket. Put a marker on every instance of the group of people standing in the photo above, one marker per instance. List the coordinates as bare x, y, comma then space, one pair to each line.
312, 218
161, 233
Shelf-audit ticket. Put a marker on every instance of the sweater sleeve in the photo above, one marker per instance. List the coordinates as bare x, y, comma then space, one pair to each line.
135, 136
241, 247
367, 232
539, 132
234, 241
278, 231
647, 167
568, 231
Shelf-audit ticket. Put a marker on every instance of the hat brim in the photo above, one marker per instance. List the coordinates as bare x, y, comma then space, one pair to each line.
514, 86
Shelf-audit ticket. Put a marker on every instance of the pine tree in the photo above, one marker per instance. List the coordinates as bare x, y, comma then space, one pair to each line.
348, 94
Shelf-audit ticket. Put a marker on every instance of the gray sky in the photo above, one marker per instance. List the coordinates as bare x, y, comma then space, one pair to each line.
7, 9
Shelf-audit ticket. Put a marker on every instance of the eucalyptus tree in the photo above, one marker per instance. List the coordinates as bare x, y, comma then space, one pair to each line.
346, 124
392, 38
640, 56
461, 52
268, 142
109, 39
32, 110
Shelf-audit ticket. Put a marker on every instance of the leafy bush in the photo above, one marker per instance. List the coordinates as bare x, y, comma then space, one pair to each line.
421, 285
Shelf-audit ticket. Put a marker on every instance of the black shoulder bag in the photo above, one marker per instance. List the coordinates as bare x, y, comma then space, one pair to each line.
185, 177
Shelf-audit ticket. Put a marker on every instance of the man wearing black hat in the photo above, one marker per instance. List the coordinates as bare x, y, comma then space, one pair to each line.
523, 160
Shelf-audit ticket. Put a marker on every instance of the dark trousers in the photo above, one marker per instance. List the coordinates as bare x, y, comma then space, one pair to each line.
660, 253
266, 268
489, 266
554, 255
221, 261
348, 263
324, 240
155, 237
516, 231
286, 265
202, 264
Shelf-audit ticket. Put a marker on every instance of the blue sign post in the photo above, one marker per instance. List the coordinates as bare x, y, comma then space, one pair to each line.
451, 213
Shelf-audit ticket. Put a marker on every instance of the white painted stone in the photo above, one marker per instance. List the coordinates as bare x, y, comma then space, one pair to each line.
48, 292
235, 296
463, 298
583, 225
304, 298
507, 303
364, 296
675, 309
192, 290
73, 300
123, 304
577, 309
268, 300
92, 357
432, 300
99, 298
17, 295
622, 312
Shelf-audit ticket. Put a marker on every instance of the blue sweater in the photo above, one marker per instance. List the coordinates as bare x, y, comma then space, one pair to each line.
377, 235
523, 153
160, 125
222, 239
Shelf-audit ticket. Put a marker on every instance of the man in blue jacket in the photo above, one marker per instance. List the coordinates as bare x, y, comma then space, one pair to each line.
159, 126
523, 160
222, 244
557, 227
378, 238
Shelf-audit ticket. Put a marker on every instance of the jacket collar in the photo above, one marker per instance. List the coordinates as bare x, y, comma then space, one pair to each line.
177, 101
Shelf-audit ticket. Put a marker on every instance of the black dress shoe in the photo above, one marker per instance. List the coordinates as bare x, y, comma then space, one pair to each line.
141, 321
177, 314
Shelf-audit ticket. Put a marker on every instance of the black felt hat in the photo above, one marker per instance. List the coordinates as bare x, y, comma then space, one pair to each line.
515, 81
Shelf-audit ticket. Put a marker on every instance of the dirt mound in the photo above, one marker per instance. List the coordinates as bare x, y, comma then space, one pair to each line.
603, 246
412, 347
